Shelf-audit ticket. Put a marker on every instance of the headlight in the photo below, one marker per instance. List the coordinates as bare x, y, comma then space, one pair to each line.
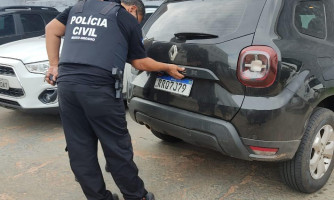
40, 67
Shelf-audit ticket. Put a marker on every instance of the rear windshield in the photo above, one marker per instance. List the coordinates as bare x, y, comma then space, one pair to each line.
215, 17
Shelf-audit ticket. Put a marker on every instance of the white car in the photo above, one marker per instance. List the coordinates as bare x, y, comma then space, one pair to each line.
22, 67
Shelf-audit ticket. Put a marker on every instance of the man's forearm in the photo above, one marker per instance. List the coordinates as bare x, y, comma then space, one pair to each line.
52, 48
148, 64
53, 33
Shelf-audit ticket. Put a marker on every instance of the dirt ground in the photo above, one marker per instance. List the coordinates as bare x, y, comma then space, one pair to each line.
34, 166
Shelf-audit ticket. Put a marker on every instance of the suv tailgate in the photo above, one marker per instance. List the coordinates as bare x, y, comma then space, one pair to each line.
207, 42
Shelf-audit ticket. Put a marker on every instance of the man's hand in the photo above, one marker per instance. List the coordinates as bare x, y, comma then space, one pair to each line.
53, 70
175, 70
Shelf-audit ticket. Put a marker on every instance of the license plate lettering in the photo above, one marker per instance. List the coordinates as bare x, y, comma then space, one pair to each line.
180, 85
163, 83
169, 84
4, 84
175, 87
159, 83
184, 87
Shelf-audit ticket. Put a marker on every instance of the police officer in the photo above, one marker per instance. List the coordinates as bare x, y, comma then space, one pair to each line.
100, 36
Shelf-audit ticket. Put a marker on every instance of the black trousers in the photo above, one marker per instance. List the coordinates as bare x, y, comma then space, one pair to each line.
90, 114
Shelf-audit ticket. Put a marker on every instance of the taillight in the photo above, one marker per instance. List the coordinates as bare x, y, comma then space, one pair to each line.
264, 151
257, 66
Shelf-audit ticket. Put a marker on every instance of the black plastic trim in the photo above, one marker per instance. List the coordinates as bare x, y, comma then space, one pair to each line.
193, 72
202, 73
9, 104
6, 71
13, 92
191, 127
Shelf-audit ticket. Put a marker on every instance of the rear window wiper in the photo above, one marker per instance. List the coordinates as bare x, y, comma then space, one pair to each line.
194, 36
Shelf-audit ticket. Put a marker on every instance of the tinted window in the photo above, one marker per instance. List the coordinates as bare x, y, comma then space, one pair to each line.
32, 23
7, 26
310, 18
217, 17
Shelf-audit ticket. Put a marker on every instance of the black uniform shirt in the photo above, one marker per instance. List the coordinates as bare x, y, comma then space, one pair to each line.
89, 75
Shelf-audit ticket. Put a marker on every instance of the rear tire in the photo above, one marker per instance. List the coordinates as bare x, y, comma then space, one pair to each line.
312, 165
165, 137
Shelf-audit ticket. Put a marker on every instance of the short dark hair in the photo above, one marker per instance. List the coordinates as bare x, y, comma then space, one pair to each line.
138, 3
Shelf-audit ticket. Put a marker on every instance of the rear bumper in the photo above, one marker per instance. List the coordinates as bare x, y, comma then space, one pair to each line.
205, 131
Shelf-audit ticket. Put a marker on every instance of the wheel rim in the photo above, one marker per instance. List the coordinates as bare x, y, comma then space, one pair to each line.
322, 152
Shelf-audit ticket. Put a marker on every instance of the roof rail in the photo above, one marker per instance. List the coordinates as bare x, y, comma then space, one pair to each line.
11, 8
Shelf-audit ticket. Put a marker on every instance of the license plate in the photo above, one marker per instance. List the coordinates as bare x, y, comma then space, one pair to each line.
170, 84
4, 84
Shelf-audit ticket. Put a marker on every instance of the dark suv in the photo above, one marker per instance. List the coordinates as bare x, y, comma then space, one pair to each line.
258, 82
20, 22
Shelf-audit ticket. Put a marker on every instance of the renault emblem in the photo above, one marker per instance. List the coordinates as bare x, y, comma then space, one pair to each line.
173, 52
